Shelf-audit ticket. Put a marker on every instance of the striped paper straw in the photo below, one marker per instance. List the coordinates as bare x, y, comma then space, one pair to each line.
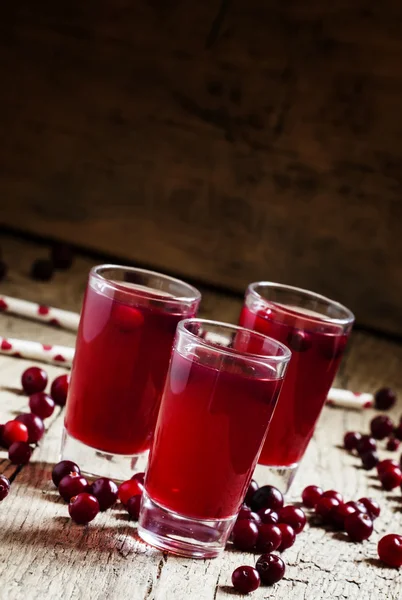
40, 312
56, 355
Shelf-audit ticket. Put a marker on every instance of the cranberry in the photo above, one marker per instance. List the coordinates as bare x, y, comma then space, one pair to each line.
358, 526
333, 494
62, 255
369, 460
366, 444
63, 468
298, 340
294, 517
269, 538
398, 432
288, 536
381, 427
351, 440
14, 431
133, 506
35, 426
245, 579
390, 550
34, 380
310, 495
325, 506
372, 506
384, 398
271, 568
105, 491
3, 270
244, 513
83, 508
251, 490
41, 405
20, 453
244, 534
140, 477
4, 487
386, 464
339, 513
267, 515
71, 485
392, 444
129, 488
59, 389
267, 496
42, 269
358, 506
391, 478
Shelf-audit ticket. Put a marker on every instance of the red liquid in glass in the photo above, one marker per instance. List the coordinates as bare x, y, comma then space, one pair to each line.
120, 365
317, 350
211, 426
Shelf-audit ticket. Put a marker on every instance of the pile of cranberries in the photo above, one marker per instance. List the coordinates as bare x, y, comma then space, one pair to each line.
61, 257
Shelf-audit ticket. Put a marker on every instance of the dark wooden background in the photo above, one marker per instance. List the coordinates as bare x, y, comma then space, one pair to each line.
226, 141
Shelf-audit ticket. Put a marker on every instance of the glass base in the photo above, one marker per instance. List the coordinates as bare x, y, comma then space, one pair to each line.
280, 477
97, 463
175, 533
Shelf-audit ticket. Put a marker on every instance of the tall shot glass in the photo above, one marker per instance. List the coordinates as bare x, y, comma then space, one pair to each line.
316, 329
127, 327
216, 407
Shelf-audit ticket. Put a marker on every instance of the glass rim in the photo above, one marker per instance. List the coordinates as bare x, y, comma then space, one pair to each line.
121, 285
284, 357
348, 319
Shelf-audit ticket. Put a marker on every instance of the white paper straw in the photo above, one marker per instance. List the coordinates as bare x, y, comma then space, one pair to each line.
40, 312
348, 399
57, 355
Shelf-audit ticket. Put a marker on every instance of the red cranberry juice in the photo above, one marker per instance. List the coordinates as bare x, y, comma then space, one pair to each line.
211, 426
316, 353
120, 365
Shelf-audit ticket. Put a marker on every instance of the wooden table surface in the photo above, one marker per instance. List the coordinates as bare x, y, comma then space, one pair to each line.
44, 555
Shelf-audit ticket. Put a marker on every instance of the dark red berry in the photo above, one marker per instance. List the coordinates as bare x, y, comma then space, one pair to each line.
398, 432
63, 468
293, 516
251, 490
62, 256
358, 506
381, 427
392, 444
105, 490
386, 464
310, 495
372, 506
358, 526
384, 398
333, 494
369, 460
3, 270
35, 426
351, 440
33, 380
267, 496
245, 579
298, 340
271, 568
14, 431
42, 269
244, 535
4, 487
269, 538
244, 513
72, 485
267, 515
140, 477
129, 488
59, 389
83, 508
133, 506
41, 405
324, 507
391, 478
366, 444
338, 514
390, 550
20, 453
288, 536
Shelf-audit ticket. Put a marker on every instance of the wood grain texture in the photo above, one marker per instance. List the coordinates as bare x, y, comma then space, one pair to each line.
43, 555
228, 141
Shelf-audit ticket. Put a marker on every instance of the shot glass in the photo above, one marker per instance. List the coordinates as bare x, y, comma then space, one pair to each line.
125, 337
217, 403
316, 329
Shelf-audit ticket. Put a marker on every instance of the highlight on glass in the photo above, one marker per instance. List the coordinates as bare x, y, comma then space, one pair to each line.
220, 393
127, 327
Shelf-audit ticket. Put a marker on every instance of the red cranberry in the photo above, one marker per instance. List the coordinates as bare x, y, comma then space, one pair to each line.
310, 495
41, 405
267, 496
288, 536
391, 478
269, 538
4, 487
34, 380
42, 269
251, 490
358, 506
324, 508
271, 568
72, 485
372, 506
384, 398
386, 464
381, 427
129, 488
294, 517
105, 491
366, 444
338, 514
62, 255
392, 444
244, 513
14, 431
20, 453
351, 440
390, 550
133, 506
398, 432
245, 579
267, 515
369, 460
59, 389
83, 508
358, 526
63, 468
35, 426
244, 535
333, 494
298, 340
140, 477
